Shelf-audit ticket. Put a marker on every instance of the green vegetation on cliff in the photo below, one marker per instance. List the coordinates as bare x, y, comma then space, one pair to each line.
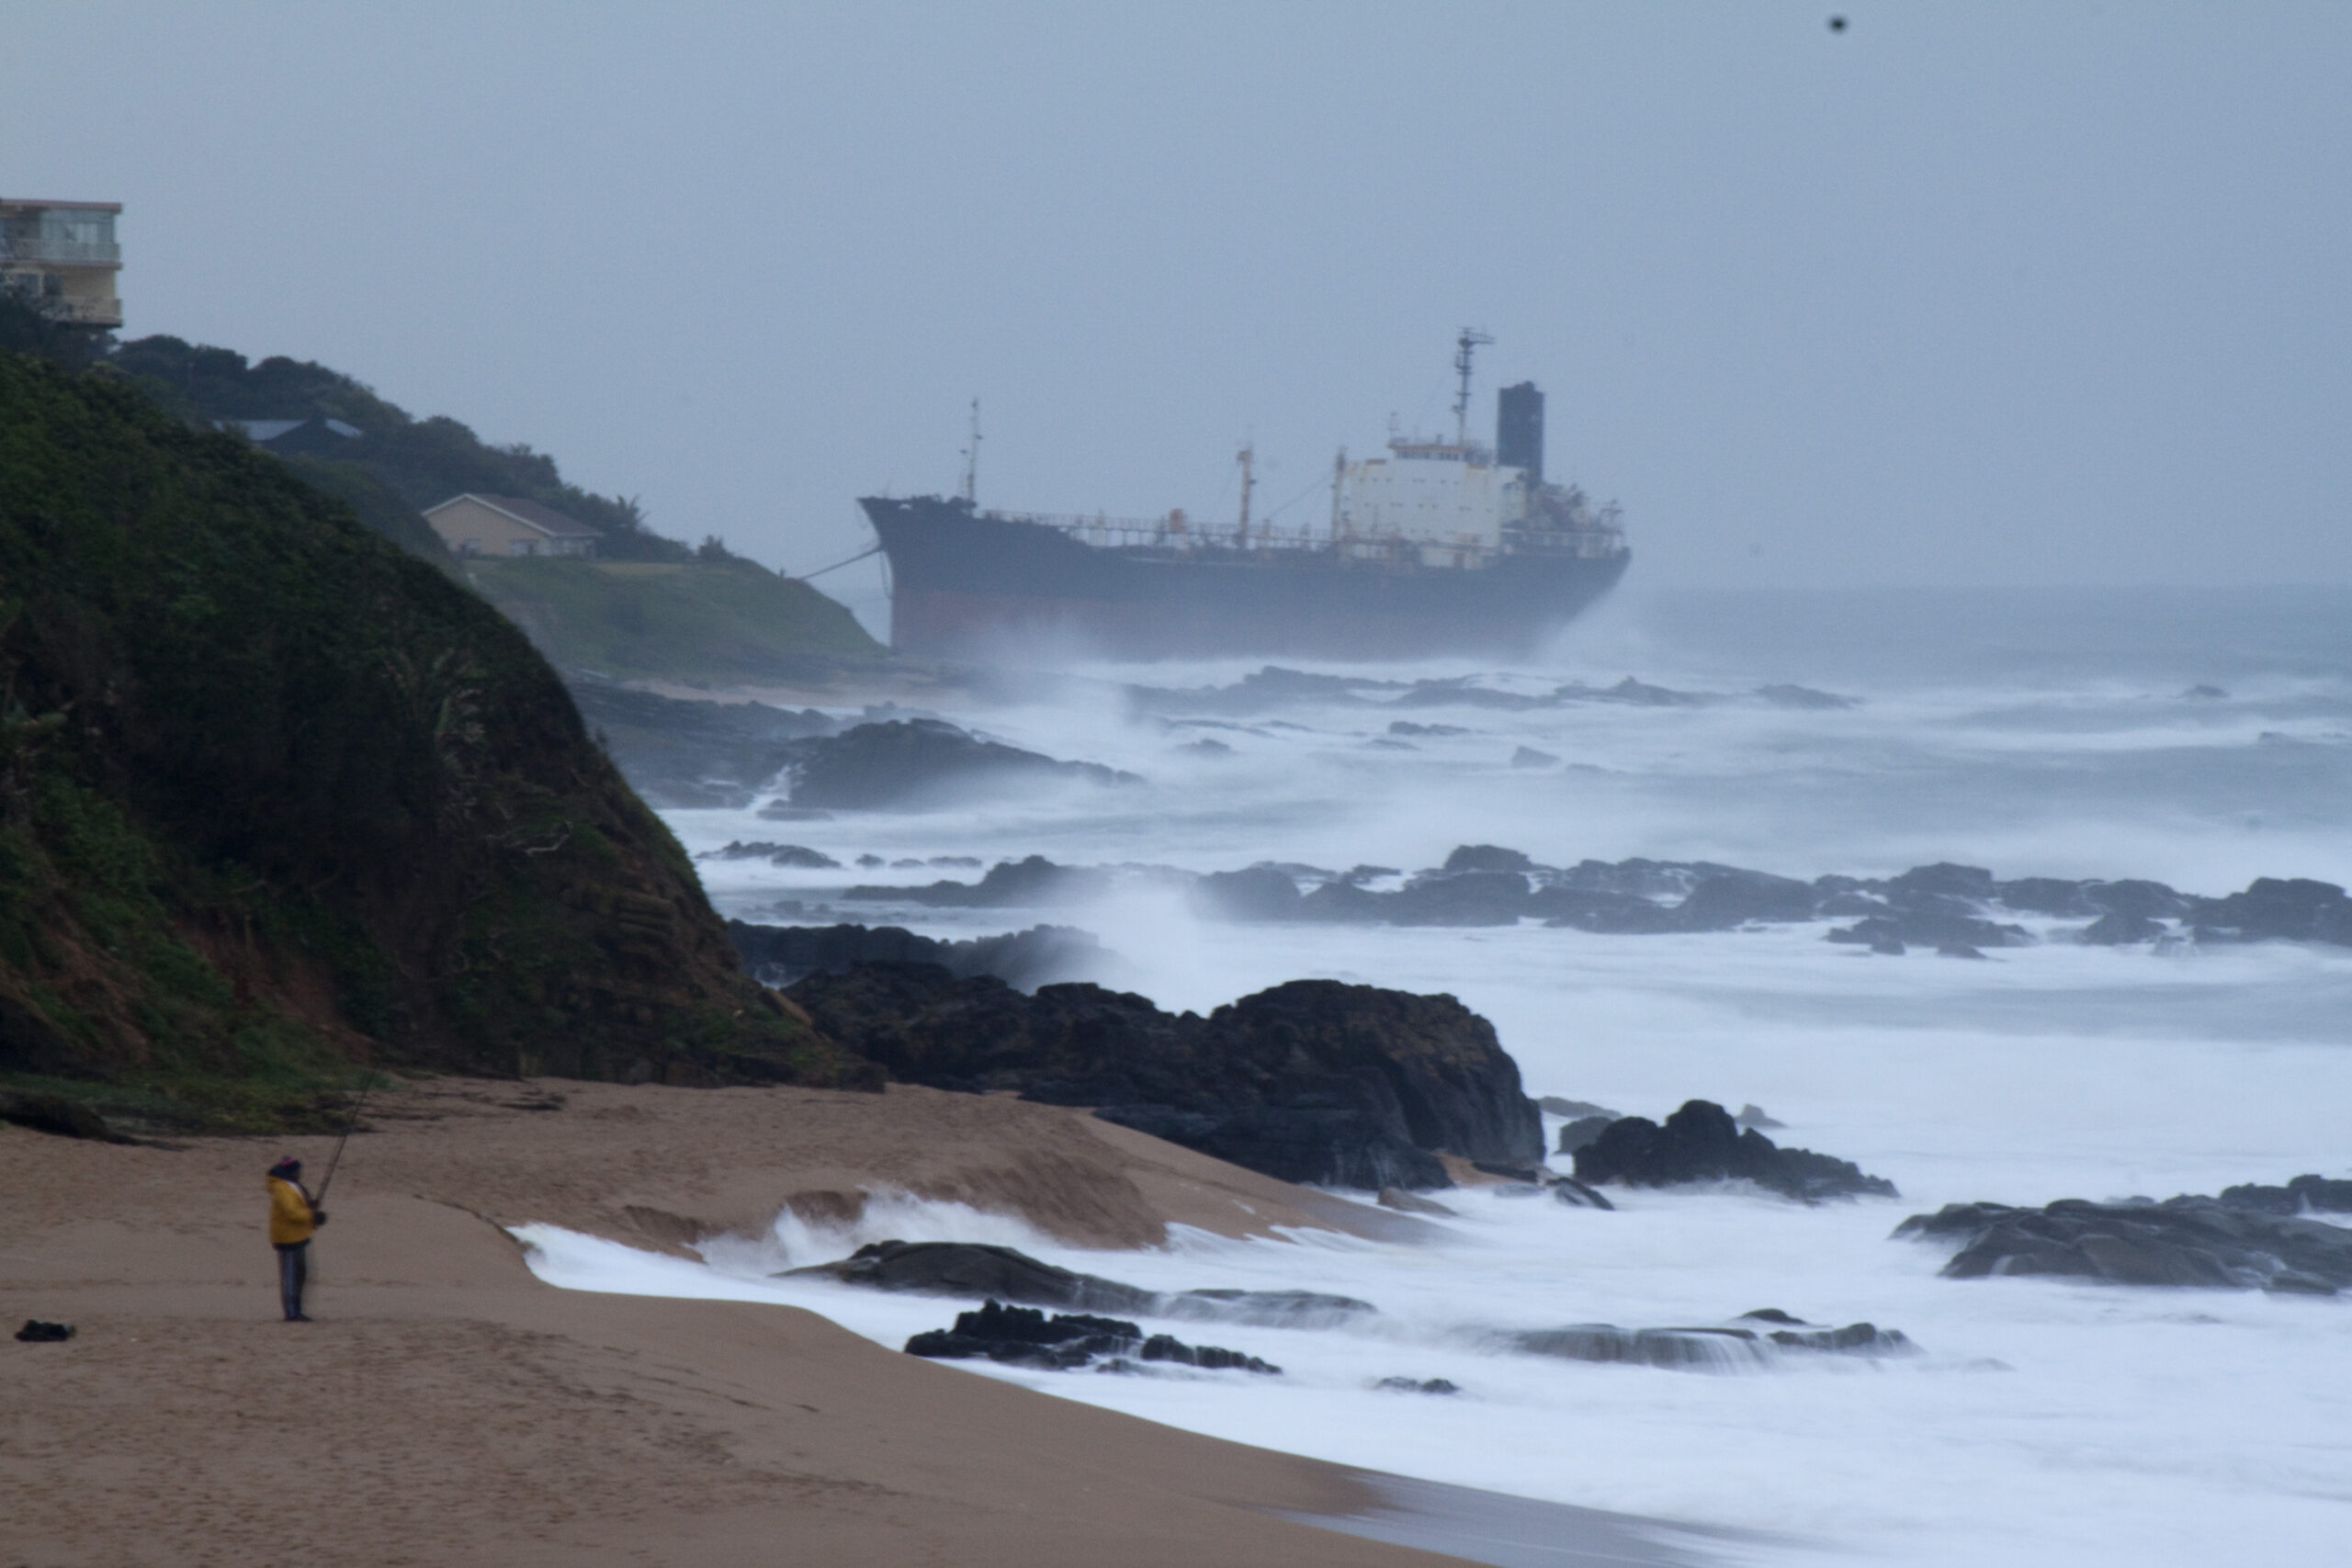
276, 797
723, 621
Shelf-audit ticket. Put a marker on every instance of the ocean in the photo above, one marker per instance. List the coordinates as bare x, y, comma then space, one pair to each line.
2198, 737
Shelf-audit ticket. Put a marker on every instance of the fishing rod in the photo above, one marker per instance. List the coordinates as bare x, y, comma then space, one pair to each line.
366, 1088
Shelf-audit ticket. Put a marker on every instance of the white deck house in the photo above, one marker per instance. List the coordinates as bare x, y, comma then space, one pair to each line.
508, 525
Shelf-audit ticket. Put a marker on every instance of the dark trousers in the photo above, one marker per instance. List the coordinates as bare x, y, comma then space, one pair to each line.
293, 1273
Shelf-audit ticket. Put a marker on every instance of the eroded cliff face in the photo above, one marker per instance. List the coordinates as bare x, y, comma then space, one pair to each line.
276, 797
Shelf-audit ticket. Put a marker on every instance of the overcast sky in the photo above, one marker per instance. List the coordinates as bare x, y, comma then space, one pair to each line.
1961, 294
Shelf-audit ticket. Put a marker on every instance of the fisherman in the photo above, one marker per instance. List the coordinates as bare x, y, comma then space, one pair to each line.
293, 1216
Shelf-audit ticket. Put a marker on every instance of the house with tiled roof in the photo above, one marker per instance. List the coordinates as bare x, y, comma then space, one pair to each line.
474, 525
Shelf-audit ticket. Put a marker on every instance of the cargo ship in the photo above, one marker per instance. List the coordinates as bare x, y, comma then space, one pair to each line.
1435, 547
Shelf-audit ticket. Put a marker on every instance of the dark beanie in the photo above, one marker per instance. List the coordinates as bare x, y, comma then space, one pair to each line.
287, 1168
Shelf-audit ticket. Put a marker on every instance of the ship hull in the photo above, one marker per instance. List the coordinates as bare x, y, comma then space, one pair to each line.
966, 585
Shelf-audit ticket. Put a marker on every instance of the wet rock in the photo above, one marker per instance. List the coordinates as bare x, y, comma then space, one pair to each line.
973, 1269
2182, 1241
1701, 1142
908, 764
1725, 1350
1572, 1109
40, 1331
1409, 1385
1727, 900
1041, 955
2046, 896
2304, 1194
683, 753
799, 855
1583, 1130
1312, 1082
1028, 883
1258, 893
2115, 929
1266, 1309
1025, 1337
2272, 908
1462, 898
1927, 928
1753, 1115
1567, 1190
1485, 857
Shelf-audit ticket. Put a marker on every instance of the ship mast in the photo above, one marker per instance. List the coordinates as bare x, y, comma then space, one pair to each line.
1463, 346
1247, 459
972, 460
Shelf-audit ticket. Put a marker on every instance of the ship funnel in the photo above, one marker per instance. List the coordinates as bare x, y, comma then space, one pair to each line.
1519, 430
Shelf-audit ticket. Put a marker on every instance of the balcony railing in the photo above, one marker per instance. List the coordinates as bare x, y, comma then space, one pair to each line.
60, 252
83, 310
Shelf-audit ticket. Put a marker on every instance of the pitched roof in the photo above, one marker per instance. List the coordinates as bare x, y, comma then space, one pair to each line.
545, 519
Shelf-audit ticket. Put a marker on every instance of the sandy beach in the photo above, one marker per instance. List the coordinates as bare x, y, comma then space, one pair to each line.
447, 1407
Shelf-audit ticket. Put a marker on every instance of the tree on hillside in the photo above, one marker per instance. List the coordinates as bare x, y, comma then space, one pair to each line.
421, 461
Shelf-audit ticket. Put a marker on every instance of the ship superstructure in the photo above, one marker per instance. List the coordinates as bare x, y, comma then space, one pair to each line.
1435, 546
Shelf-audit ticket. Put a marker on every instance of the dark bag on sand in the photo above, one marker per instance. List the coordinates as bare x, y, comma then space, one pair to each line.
36, 1332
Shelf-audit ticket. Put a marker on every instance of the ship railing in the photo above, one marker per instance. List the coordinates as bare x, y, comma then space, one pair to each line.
1181, 533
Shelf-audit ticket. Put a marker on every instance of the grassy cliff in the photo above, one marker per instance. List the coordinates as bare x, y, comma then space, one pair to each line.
276, 797
718, 621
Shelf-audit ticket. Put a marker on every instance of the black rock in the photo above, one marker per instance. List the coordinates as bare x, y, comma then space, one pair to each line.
1892, 932
2313, 1194
1409, 1385
1733, 1349
1258, 892
1461, 899
1555, 1105
2182, 1241
1701, 1142
1730, 899
976, 1269
2274, 909
1025, 1337
973, 1269
2046, 896
39, 1331
1583, 1130
908, 765
774, 854
1031, 883
1312, 1082
1485, 857
2115, 929
1266, 1309
1042, 955
1567, 1190
678, 752
1753, 1115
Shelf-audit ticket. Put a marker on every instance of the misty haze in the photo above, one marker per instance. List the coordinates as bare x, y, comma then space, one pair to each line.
1061, 785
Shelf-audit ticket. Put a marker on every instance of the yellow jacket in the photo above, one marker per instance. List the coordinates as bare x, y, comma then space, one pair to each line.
290, 1220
